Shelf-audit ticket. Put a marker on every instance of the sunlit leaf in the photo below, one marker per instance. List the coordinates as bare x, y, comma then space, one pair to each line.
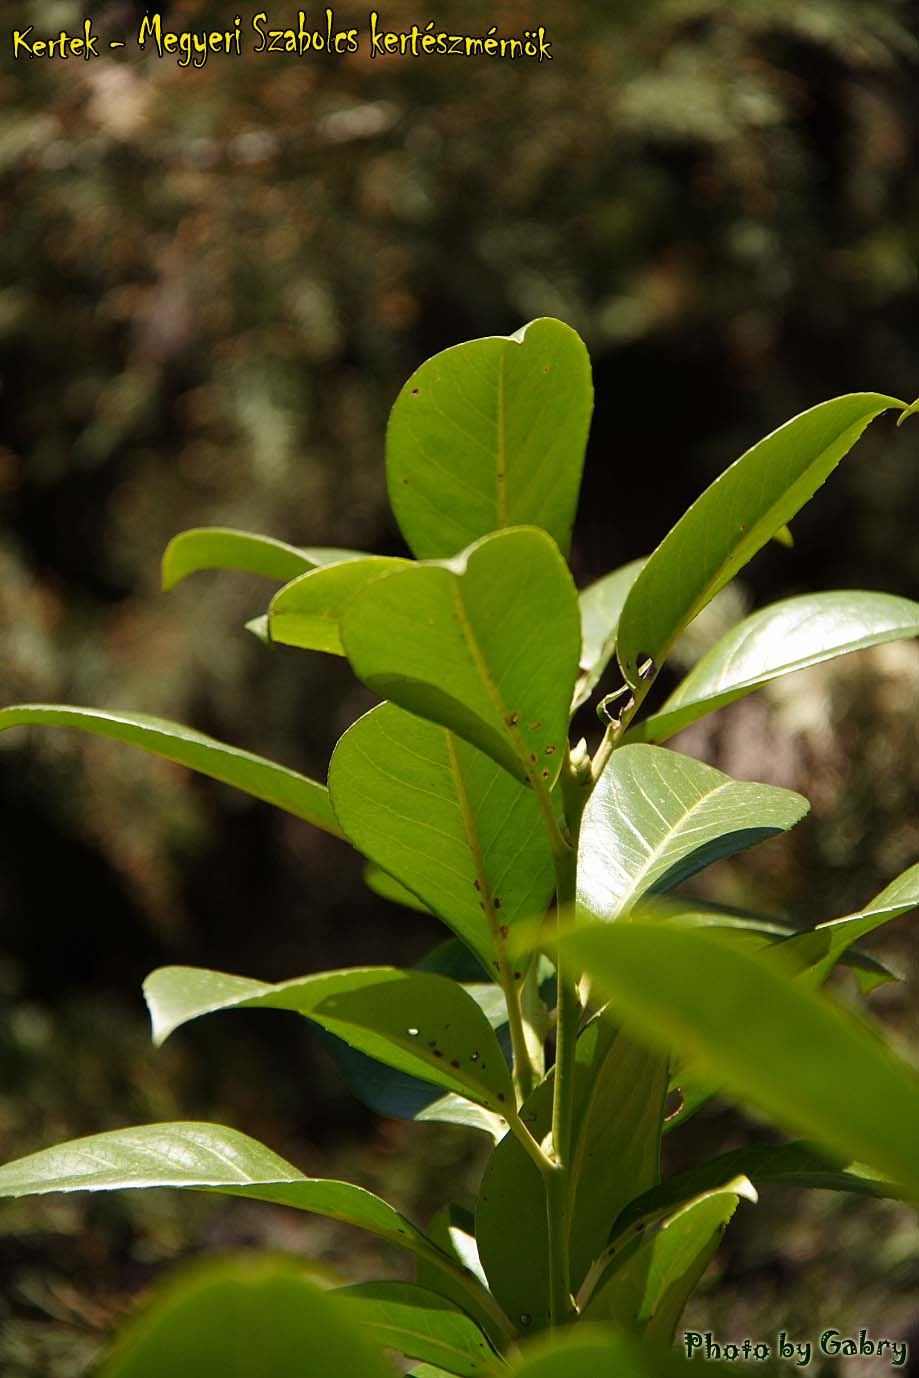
307, 612
491, 434
733, 519
220, 547
423, 1325
266, 780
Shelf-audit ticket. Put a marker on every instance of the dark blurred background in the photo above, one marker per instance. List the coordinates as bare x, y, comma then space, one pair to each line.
213, 284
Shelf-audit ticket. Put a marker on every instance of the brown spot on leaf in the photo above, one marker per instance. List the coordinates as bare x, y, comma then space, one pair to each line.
550, 751
513, 720
504, 930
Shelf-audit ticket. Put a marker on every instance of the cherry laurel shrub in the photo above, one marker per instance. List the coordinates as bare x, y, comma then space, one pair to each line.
575, 997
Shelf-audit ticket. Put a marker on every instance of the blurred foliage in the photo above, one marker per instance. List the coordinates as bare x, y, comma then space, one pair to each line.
215, 282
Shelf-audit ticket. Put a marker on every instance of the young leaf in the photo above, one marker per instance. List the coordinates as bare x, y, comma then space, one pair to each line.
775, 641
243, 1315
220, 547
423, 1325
207, 1157
601, 606
446, 822
652, 1283
487, 646
307, 611
745, 1025
491, 434
416, 1021
656, 817
733, 519
266, 780
791, 1165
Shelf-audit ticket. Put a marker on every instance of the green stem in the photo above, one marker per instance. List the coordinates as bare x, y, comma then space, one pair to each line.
524, 1071
561, 1305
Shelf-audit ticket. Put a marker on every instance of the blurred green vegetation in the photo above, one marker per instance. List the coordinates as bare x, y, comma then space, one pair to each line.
213, 284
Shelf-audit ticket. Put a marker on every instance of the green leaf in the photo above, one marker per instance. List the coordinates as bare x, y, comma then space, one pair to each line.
791, 1165
589, 1350
491, 434
388, 888
266, 780
243, 1316
651, 1284
415, 1021
775, 641
820, 948
207, 1157
307, 611
423, 1325
733, 519
487, 647
452, 1229
446, 822
656, 817
220, 547
743, 1023
618, 1102
601, 606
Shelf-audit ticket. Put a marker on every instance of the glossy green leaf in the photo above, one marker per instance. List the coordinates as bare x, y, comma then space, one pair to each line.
775, 641
656, 817
491, 434
618, 1104
243, 1316
745, 1025
487, 647
307, 611
601, 606
733, 519
651, 1285
415, 1021
266, 780
423, 1325
446, 822
452, 1229
791, 1165
220, 547
207, 1157
822, 947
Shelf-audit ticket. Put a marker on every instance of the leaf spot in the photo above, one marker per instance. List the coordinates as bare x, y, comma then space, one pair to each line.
415, 391
550, 751
533, 726
438, 1053
412, 1033
526, 1319
513, 720
497, 902
454, 1062
504, 930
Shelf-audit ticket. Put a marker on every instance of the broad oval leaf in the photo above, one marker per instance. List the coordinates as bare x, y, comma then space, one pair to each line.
263, 779
423, 1325
307, 611
487, 647
416, 1021
775, 641
491, 434
733, 519
743, 1024
222, 547
446, 822
656, 817
188, 1154
243, 1315
601, 605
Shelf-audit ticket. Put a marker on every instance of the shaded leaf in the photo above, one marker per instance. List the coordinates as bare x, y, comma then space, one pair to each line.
775, 641
446, 822
601, 605
733, 519
307, 611
245, 1315
491, 434
388, 888
656, 817
742, 1023
415, 1021
423, 1325
497, 671
221, 547
266, 780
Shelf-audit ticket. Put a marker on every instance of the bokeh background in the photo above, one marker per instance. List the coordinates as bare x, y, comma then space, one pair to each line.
213, 285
